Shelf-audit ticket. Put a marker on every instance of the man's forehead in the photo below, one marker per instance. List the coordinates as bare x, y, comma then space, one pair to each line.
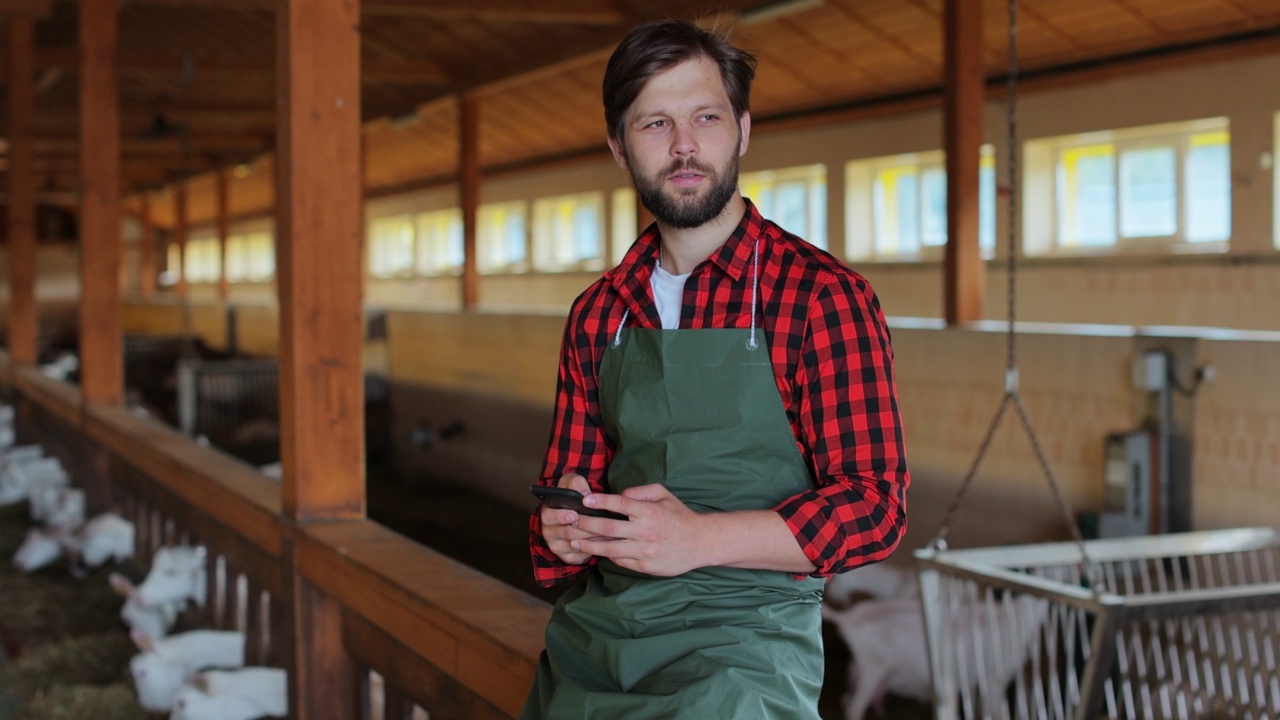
708, 94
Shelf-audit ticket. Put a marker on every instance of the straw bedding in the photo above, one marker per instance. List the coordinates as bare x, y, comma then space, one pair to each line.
68, 650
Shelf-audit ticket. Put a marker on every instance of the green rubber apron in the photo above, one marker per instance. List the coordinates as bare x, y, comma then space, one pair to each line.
699, 412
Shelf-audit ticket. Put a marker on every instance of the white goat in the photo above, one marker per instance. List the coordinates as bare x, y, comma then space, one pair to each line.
154, 621
65, 510
44, 494
105, 537
18, 454
19, 479
887, 641
177, 574
61, 367
40, 548
880, 581
163, 665
233, 695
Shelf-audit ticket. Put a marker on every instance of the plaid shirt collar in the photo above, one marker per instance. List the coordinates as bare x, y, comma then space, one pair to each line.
631, 277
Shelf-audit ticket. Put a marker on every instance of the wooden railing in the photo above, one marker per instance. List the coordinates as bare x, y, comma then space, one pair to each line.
443, 637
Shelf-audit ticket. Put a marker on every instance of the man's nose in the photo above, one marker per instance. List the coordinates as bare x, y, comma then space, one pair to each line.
683, 142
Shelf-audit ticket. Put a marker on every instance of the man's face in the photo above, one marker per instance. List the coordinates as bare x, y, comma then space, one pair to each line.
681, 144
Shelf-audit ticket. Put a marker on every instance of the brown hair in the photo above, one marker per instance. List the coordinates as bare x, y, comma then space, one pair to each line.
657, 46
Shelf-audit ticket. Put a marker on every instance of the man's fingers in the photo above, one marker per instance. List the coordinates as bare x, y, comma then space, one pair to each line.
606, 547
652, 492
574, 481
556, 517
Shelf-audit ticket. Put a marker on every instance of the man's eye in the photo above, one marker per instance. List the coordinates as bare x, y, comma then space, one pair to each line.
657, 123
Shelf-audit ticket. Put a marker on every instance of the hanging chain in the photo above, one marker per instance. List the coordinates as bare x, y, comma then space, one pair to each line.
1087, 569
1011, 124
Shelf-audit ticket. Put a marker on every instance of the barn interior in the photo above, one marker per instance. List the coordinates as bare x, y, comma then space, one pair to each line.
337, 242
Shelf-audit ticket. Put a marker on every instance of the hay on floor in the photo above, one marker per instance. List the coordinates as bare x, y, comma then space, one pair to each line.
49, 604
101, 659
72, 649
84, 702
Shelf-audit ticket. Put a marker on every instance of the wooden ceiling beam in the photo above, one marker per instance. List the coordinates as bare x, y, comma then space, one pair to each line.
1237, 9
1050, 27
889, 39
30, 8
69, 146
582, 12
372, 70
1142, 18
585, 12
53, 120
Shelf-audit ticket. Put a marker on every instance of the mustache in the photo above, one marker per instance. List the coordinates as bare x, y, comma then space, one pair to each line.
687, 165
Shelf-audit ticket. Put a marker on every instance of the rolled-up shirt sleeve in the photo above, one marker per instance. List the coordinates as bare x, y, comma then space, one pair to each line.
577, 445
852, 436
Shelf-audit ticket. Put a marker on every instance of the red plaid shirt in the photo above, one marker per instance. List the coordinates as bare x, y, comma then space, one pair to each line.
834, 366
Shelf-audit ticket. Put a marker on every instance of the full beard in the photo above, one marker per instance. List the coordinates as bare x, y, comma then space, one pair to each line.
684, 211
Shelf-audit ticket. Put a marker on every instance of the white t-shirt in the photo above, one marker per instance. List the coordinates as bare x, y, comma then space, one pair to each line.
668, 295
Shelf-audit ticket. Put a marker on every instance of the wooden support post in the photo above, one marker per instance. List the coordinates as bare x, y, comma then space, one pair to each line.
101, 354
469, 192
224, 230
318, 674
147, 259
180, 234
318, 174
319, 213
23, 317
964, 281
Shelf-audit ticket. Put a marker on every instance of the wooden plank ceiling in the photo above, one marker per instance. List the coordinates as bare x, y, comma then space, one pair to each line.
197, 77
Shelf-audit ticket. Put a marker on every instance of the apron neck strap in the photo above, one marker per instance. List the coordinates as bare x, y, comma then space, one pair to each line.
752, 343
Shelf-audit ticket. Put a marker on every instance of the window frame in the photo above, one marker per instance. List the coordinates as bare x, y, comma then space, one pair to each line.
490, 260
454, 233
861, 232
813, 178
386, 261
257, 247
564, 257
1177, 136
203, 262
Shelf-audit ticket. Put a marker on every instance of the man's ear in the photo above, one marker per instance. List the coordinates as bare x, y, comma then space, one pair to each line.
619, 153
744, 125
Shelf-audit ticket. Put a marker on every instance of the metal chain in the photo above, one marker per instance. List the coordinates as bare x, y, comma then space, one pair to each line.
1011, 124
1087, 568
940, 540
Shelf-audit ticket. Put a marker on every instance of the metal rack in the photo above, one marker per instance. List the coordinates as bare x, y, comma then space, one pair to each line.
1182, 626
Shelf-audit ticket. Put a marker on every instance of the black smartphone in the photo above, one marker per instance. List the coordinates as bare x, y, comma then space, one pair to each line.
566, 499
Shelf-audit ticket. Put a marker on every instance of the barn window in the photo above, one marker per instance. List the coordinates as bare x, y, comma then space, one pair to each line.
623, 222
568, 232
896, 206
439, 247
251, 257
1136, 189
794, 198
501, 239
391, 242
203, 261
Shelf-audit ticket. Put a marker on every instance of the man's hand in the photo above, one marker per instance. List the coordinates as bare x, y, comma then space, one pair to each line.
665, 538
560, 527
662, 537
